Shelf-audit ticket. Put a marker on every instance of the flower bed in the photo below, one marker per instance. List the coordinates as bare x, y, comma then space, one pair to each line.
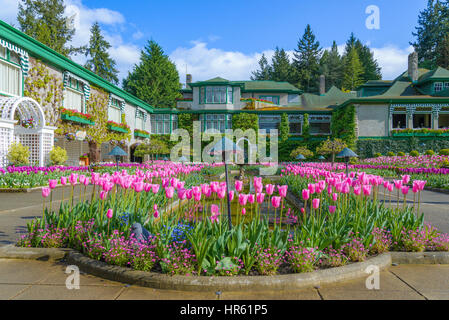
187, 227
76, 116
119, 127
141, 133
420, 132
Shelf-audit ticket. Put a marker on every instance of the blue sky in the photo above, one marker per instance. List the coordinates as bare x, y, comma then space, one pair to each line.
226, 38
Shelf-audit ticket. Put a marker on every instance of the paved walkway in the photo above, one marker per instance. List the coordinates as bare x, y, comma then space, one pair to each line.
29, 279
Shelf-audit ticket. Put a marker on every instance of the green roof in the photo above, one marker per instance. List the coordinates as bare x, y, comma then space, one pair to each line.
331, 98
436, 74
399, 88
268, 86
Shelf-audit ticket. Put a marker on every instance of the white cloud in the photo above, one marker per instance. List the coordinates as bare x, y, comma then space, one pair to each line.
392, 59
125, 56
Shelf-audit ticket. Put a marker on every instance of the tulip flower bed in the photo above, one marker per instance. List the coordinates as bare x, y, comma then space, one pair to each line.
186, 227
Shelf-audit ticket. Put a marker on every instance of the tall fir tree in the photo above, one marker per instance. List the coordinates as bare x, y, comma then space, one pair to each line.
44, 21
264, 72
306, 61
442, 59
433, 24
281, 68
99, 61
353, 71
371, 69
331, 66
155, 79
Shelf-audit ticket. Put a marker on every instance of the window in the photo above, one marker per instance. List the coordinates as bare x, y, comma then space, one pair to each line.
140, 123
443, 120
274, 99
438, 86
114, 114
422, 120
268, 122
399, 121
160, 123
295, 123
293, 98
446, 85
10, 72
73, 100
213, 121
319, 124
216, 95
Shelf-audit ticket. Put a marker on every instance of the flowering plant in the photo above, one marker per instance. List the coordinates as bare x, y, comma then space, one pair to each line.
75, 113
120, 125
141, 131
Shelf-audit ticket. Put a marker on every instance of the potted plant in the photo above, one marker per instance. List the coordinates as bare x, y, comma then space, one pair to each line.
84, 160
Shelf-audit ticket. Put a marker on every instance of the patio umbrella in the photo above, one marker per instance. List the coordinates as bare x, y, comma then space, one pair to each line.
117, 152
182, 159
347, 153
222, 147
321, 158
300, 157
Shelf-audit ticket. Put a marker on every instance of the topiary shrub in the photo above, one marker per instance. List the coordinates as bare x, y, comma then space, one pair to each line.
58, 156
413, 153
444, 152
400, 154
377, 155
430, 153
18, 154
301, 150
353, 160
390, 154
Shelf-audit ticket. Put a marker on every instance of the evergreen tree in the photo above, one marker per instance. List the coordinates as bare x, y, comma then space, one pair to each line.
44, 21
100, 62
433, 24
155, 79
371, 69
284, 128
353, 71
306, 61
264, 72
281, 68
331, 66
442, 58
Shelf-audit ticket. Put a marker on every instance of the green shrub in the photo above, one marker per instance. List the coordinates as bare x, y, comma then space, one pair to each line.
444, 164
430, 153
18, 154
400, 154
58, 156
353, 160
301, 150
444, 152
390, 154
413, 153
377, 155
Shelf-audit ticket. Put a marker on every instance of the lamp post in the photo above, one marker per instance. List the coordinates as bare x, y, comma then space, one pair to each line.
347, 153
117, 152
222, 147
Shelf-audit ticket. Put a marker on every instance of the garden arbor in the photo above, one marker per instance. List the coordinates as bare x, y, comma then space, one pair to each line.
22, 120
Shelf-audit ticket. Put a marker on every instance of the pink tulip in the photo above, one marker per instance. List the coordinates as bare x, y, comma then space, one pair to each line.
46, 192
397, 184
390, 187
109, 214
305, 194
243, 198
82, 178
214, 218
63, 181
138, 186
303, 210
197, 196
283, 191
276, 202
251, 198
221, 193
231, 195
332, 209
334, 197
103, 195
189, 194
269, 189
156, 214
169, 192
73, 179
260, 197
155, 207
155, 188
147, 187
214, 209
52, 183
311, 187
316, 203
404, 190
367, 189
238, 185
405, 179
243, 211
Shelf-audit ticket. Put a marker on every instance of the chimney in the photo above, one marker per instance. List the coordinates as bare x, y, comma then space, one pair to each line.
413, 66
322, 85
188, 80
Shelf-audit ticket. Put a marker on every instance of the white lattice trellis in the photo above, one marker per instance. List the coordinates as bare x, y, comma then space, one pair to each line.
23, 120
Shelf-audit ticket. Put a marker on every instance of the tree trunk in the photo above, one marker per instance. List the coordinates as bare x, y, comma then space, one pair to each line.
94, 152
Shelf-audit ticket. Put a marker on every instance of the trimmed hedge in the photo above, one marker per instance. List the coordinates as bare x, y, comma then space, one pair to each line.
366, 148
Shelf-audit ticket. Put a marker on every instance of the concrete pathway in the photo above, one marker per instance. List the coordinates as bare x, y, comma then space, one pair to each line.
30, 279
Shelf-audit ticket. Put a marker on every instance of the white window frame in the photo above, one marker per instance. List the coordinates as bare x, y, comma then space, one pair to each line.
19, 68
440, 85
83, 100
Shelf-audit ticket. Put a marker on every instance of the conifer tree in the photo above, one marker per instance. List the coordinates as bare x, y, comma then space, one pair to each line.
331, 66
281, 68
264, 72
353, 71
44, 20
100, 62
155, 79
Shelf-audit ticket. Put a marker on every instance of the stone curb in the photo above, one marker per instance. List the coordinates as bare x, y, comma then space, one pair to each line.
420, 257
24, 190
445, 191
42, 254
199, 283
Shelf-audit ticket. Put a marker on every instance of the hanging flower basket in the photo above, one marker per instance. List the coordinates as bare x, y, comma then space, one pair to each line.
75, 116
118, 127
141, 133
